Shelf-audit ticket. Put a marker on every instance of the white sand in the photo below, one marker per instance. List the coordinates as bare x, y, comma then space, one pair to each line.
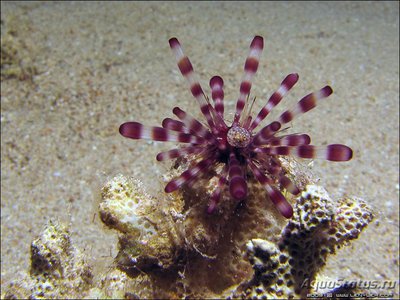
105, 63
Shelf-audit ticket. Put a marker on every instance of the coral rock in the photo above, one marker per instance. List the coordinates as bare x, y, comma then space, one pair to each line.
319, 226
58, 269
146, 226
169, 247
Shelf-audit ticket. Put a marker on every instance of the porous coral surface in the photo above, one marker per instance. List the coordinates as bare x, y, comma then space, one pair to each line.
58, 269
319, 227
206, 253
169, 247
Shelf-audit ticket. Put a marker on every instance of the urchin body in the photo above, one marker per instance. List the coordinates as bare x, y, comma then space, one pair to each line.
238, 146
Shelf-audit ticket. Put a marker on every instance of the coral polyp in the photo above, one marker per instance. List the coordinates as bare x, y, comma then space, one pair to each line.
238, 147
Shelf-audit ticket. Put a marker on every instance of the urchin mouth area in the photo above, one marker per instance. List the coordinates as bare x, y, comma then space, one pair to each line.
238, 137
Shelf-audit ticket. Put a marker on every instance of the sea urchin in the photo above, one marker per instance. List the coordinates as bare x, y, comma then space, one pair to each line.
238, 147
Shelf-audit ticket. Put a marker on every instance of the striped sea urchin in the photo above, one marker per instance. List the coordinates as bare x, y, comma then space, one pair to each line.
237, 147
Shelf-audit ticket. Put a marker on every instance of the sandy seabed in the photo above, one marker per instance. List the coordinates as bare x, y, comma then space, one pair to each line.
101, 64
